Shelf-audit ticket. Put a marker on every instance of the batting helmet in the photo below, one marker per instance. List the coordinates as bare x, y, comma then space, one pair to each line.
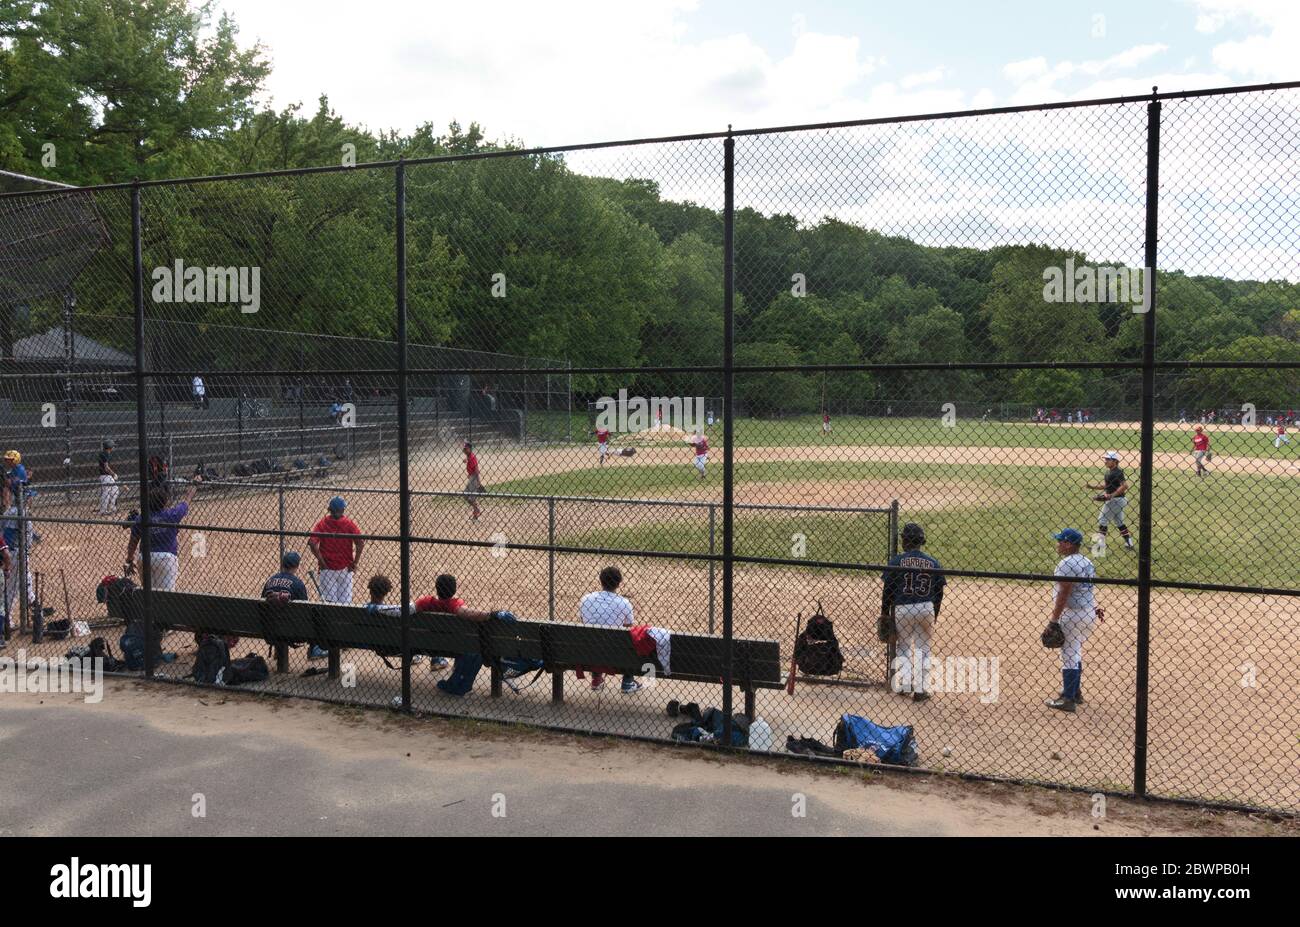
913, 535
13, 457
109, 443
337, 504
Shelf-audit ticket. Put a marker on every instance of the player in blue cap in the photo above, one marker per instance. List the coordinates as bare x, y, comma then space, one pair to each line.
1075, 609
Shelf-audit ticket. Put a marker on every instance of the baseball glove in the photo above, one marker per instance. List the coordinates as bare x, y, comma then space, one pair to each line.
1053, 636
1101, 497
1209, 455
886, 629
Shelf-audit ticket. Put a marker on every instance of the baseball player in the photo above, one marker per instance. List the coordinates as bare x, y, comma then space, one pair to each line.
108, 487
473, 485
1074, 607
602, 442
1282, 436
337, 554
164, 529
915, 594
826, 422
6, 572
701, 445
1201, 450
14, 480
1113, 490
286, 583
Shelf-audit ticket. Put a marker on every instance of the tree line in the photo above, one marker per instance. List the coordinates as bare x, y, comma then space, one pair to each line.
528, 257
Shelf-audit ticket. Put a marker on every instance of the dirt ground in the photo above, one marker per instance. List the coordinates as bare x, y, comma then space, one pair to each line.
377, 772
1223, 709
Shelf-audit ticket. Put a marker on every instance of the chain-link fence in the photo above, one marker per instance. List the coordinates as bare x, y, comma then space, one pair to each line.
943, 381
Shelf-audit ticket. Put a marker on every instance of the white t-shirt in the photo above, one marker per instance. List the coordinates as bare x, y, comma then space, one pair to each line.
198, 386
1078, 568
605, 608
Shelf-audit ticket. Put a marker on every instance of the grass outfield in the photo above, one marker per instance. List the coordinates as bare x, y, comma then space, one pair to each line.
849, 431
854, 430
1230, 529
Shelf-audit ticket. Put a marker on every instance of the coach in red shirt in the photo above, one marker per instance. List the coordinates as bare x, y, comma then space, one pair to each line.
337, 554
473, 485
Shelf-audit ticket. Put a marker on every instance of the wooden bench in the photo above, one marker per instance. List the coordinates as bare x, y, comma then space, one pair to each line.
560, 647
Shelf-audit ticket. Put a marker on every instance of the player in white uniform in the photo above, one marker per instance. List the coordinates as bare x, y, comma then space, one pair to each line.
1076, 610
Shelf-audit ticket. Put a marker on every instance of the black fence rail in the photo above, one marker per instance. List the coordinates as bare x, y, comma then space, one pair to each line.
963, 378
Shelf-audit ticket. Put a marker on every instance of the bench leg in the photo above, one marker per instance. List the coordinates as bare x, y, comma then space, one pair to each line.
496, 678
334, 660
557, 686
749, 704
282, 658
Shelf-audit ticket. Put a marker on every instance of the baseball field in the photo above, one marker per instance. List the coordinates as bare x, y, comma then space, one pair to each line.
1222, 712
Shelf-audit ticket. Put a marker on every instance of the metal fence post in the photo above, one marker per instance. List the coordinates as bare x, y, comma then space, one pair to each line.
728, 457
713, 566
891, 647
280, 492
142, 433
403, 467
550, 556
1142, 680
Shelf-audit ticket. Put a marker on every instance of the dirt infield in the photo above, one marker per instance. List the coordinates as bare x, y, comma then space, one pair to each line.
1223, 674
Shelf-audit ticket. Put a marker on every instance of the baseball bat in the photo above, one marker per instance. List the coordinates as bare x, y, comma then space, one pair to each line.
789, 683
312, 575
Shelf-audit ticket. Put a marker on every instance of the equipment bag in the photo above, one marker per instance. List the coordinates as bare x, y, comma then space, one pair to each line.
212, 662
251, 668
132, 645
816, 649
896, 745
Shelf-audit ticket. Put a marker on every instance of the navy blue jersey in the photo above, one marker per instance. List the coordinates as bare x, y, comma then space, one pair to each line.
917, 582
286, 582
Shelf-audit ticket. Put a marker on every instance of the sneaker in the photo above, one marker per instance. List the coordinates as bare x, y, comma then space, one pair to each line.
1060, 704
597, 685
417, 658
920, 696
317, 653
633, 686
438, 664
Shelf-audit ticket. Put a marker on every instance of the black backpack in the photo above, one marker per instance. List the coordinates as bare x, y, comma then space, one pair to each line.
99, 650
212, 662
251, 668
816, 649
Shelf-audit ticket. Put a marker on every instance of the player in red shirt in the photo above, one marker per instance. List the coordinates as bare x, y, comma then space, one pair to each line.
1201, 449
602, 442
1281, 436
445, 602
826, 423
337, 555
701, 445
473, 485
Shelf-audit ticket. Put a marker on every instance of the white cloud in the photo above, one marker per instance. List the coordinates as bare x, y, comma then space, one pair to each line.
1267, 54
922, 78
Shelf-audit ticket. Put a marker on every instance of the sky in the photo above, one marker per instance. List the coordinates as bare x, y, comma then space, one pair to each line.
557, 73
562, 72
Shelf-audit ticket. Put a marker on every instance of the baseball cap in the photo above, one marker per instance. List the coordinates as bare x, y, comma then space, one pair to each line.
1111, 455
109, 442
290, 559
1069, 535
338, 504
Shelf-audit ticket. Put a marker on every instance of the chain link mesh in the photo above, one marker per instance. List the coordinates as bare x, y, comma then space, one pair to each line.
937, 322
